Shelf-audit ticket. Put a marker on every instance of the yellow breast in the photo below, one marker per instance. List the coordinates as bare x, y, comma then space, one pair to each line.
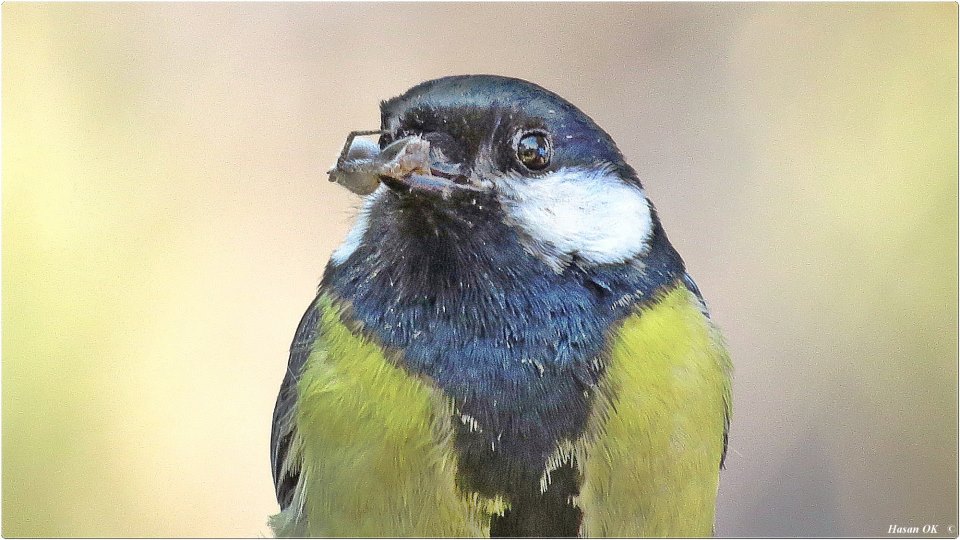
376, 448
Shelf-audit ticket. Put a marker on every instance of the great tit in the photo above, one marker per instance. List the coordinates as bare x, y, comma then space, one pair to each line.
506, 343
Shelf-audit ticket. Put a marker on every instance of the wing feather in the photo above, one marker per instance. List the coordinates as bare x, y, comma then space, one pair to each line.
284, 461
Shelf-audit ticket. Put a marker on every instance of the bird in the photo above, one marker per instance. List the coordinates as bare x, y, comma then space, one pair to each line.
505, 344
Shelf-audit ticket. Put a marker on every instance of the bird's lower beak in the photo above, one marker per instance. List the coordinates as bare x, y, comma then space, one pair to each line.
407, 165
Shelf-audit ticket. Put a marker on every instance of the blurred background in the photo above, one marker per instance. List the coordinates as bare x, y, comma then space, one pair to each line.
166, 219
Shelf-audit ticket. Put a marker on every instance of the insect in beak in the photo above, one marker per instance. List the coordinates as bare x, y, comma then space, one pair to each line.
405, 165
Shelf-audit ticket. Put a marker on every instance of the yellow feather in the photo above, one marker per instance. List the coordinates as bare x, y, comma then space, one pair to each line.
377, 449
650, 462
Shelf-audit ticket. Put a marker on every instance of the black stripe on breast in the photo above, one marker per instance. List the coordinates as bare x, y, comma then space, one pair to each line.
550, 514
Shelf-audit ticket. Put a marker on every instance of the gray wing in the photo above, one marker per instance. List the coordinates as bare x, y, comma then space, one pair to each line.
285, 474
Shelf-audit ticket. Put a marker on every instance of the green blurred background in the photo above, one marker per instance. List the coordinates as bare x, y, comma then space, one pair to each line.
166, 219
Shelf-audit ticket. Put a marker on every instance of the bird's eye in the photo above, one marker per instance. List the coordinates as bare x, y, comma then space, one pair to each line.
533, 150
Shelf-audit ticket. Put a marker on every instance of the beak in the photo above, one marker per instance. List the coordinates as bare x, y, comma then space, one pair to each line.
406, 165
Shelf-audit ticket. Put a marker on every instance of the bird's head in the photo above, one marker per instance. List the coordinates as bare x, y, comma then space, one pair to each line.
502, 150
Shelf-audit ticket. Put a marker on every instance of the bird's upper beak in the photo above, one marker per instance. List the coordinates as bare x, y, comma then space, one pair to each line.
408, 164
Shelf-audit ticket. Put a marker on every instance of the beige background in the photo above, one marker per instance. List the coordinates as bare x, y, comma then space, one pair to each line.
166, 219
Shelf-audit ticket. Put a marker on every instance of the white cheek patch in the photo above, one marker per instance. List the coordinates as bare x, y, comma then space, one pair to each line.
588, 213
355, 236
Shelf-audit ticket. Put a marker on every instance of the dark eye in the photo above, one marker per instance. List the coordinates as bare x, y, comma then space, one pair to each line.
533, 150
